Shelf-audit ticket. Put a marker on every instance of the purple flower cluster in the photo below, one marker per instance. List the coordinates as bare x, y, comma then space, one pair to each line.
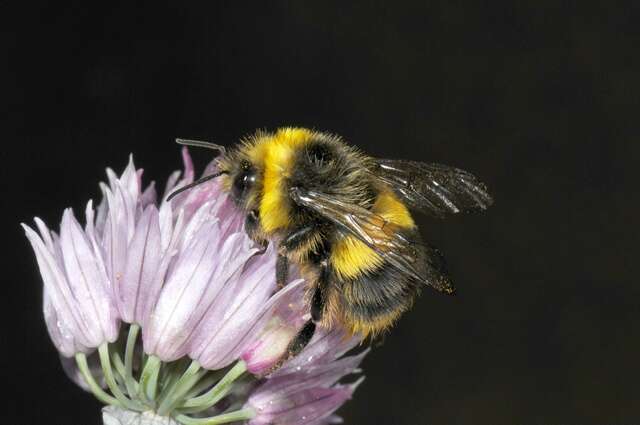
185, 276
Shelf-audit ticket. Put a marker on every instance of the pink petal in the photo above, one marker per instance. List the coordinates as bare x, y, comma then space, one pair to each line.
187, 163
167, 334
171, 183
332, 419
149, 196
325, 347
235, 310
169, 236
273, 340
129, 180
45, 233
70, 368
60, 302
101, 216
303, 407
59, 331
192, 286
143, 260
187, 177
88, 282
323, 375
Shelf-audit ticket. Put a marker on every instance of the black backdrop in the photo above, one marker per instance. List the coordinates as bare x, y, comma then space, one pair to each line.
539, 99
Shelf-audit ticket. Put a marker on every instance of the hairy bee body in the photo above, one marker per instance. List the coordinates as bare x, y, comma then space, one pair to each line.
358, 287
343, 217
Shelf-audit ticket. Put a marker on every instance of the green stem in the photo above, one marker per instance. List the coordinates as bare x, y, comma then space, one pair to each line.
119, 366
205, 383
216, 393
149, 379
143, 357
175, 394
105, 361
81, 361
172, 373
238, 415
130, 382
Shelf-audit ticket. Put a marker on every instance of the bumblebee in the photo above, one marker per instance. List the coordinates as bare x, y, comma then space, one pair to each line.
344, 218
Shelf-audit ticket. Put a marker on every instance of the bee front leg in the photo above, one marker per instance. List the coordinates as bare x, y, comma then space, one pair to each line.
252, 228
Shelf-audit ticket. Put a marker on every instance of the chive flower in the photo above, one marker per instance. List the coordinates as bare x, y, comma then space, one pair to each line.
169, 314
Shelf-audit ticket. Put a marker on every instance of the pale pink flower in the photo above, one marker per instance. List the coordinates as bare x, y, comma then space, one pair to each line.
305, 389
79, 310
289, 316
186, 275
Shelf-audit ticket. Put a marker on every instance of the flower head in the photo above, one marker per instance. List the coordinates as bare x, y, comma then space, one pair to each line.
203, 296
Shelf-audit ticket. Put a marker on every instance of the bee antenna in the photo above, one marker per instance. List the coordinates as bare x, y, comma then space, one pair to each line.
195, 183
202, 144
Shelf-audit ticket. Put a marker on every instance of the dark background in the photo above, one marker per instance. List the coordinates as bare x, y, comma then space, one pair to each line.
540, 100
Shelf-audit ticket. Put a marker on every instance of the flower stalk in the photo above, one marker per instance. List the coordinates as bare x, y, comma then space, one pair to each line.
215, 394
193, 391
238, 415
149, 380
105, 362
175, 393
97, 391
130, 382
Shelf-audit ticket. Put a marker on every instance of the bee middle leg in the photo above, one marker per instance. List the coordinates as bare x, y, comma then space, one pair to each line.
282, 270
291, 242
319, 298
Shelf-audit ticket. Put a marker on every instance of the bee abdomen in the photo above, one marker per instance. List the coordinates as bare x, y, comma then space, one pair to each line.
373, 301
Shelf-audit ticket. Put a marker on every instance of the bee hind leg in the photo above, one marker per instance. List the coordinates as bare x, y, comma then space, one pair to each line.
291, 242
317, 308
302, 339
296, 345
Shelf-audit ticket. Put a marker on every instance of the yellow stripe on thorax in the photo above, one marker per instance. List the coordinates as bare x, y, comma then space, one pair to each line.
350, 257
276, 154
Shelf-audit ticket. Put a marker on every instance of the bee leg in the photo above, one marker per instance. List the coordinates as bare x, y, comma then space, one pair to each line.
302, 339
296, 345
320, 294
289, 243
317, 308
296, 238
282, 270
252, 226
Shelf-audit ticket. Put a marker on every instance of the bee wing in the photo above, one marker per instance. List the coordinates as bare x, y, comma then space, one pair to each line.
412, 258
433, 188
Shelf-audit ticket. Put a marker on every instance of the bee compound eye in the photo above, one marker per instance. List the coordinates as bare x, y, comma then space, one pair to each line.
243, 183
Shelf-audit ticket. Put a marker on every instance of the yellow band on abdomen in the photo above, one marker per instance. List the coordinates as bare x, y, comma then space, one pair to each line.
351, 258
